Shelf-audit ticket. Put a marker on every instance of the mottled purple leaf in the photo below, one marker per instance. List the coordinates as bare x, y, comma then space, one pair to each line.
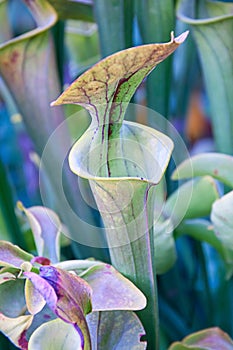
12, 255
208, 339
15, 329
112, 291
46, 228
119, 330
67, 295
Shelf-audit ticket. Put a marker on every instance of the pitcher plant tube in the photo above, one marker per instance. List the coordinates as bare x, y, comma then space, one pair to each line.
124, 161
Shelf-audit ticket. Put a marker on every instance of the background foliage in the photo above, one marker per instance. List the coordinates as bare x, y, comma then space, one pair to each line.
192, 89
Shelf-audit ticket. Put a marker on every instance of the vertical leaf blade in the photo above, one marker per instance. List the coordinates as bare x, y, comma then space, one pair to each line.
214, 42
156, 21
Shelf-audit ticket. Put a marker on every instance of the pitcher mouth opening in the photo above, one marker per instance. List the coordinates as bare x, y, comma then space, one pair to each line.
142, 157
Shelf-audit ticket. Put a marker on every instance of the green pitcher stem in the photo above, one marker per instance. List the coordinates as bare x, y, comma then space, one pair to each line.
148, 284
135, 259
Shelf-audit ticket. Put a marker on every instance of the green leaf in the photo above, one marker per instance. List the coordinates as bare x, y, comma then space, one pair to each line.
7, 208
212, 25
126, 335
81, 9
165, 251
15, 329
34, 300
84, 36
46, 229
156, 19
12, 300
203, 230
78, 266
219, 166
55, 335
112, 291
208, 339
222, 219
115, 22
12, 255
116, 158
191, 200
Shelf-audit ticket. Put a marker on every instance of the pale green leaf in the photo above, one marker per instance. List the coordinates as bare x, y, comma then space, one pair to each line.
34, 300
120, 330
55, 335
222, 219
208, 339
217, 165
78, 266
164, 245
203, 231
15, 328
191, 200
12, 300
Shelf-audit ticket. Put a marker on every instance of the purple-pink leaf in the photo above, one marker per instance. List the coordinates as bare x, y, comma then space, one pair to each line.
44, 288
12, 255
207, 339
68, 296
41, 260
46, 228
112, 291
